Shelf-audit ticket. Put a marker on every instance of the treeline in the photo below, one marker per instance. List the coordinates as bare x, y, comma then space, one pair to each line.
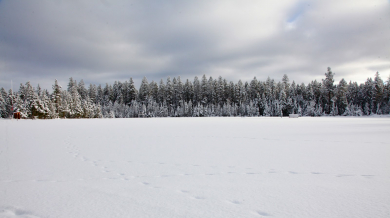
204, 97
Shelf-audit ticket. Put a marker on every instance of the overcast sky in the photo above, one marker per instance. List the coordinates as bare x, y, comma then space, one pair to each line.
103, 41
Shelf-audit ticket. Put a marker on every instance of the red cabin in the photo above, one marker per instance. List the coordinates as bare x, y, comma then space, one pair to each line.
17, 115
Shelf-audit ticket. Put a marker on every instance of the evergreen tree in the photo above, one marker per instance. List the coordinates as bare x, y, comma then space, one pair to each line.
132, 91
286, 83
204, 90
92, 93
161, 92
197, 91
169, 93
153, 90
220, 91
328, 90
75, 107
99, 95
72, 83
3, 108
379, 93
57, 97
188, 91
342, 102
144, 91
83, 92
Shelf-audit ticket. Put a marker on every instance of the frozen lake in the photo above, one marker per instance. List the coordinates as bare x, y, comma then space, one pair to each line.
195, 167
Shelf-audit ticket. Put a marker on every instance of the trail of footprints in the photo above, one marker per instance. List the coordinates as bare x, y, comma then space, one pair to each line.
113, 175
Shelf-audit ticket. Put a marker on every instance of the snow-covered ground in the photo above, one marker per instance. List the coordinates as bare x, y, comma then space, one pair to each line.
195, 167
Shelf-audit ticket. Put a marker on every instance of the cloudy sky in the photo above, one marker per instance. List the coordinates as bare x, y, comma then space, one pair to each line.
103, 41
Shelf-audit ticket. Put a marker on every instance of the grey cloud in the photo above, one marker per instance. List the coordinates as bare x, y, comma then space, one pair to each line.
106, 41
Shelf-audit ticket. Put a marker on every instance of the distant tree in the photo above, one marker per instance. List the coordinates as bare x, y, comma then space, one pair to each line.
379, 93
75, 106
92, 93
72, 83
161, 97
132, 91
341, 94
83, 92
188, 91
153, 90
197, 91
57, 97
3, 108
328, 90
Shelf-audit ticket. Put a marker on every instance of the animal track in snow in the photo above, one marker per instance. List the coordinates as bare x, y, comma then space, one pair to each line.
235, 202
197, 197
15, 212
344, 175
262, 213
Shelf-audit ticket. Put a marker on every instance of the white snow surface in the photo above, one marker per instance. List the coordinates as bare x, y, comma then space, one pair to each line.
195, 167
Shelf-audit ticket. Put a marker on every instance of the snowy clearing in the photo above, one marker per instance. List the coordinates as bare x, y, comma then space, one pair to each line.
195, 167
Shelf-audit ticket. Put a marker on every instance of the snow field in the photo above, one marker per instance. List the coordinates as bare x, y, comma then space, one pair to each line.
195, 167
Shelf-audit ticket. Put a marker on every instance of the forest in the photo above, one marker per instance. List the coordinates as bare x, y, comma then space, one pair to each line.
204, 97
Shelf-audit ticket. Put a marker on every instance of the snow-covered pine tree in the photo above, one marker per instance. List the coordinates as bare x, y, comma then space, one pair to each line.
341, 94
161, 93
169, 93
72, 83
211, 91
144, 91
328, 90
57, 97
386, 97
204, 90
286, 83
76, 109
83, 92
3, 108
30, 101
379, 93
153, 91
369, 96
219, 92
92, 93
197, 91
99, 95
107, 94
5, 103
188, 91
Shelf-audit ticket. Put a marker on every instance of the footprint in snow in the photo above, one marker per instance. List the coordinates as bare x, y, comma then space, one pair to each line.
15, 212
235, 202
344, 175
262, 213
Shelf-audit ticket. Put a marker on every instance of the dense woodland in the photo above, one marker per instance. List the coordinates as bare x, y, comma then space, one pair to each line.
204, 97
